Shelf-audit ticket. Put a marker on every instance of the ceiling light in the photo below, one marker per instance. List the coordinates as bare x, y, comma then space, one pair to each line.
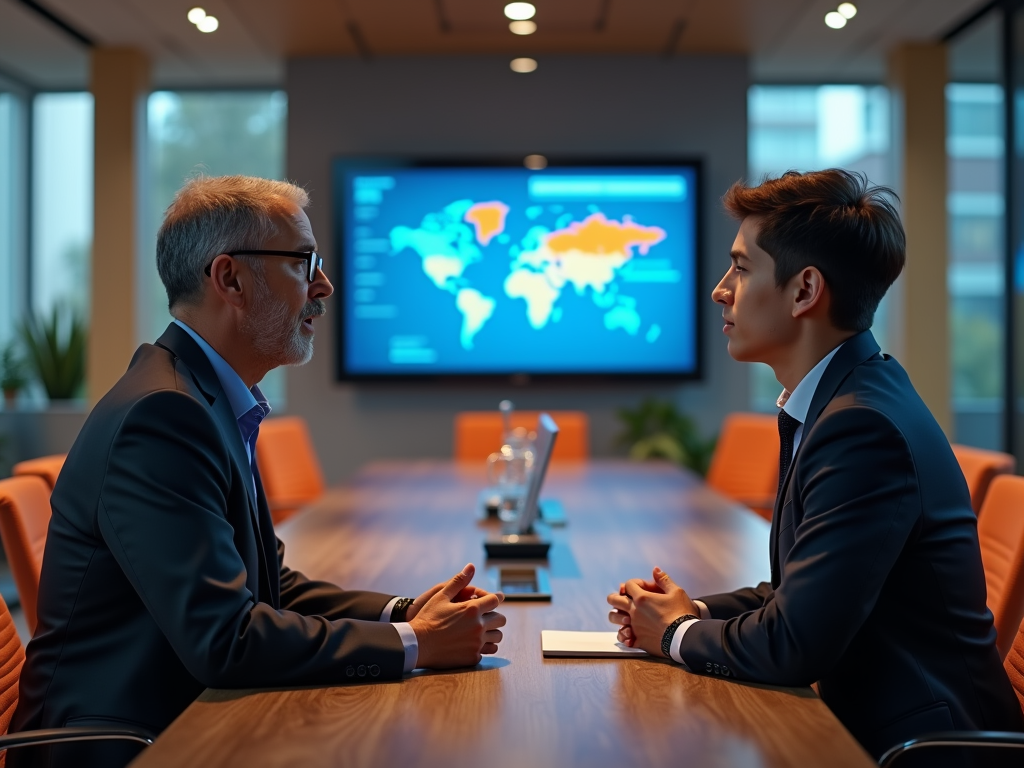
520, 11
523, 65
524, 27
535, 162
848, 10
208, 24
196, 15
835, 20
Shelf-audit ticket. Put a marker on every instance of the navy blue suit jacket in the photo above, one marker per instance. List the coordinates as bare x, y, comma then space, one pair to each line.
162, 575
877, 587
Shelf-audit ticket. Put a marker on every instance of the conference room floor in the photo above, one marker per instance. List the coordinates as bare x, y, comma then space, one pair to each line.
401, 526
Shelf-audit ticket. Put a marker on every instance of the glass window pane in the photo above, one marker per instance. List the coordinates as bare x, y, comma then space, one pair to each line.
12, 213
215, 133
976, 219
807, 128
62, 189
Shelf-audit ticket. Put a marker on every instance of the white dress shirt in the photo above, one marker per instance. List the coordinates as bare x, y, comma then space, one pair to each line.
242, 400
796, 404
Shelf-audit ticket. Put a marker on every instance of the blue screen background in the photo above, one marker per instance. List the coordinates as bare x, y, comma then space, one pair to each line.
495, 270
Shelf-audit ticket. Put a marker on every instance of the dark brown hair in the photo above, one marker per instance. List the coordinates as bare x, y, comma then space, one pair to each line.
834, 221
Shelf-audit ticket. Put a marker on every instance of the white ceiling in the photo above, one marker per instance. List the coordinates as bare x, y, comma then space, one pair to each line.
787, 40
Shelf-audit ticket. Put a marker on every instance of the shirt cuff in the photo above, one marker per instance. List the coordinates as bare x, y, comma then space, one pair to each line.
385, 615
412, 648
677, 638
703, 609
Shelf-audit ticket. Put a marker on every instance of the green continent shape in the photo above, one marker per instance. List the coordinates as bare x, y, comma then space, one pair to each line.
476, 310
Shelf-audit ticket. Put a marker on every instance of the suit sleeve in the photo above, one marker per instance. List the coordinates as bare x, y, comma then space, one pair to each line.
730, 604
856, 481
162, 513
321, 598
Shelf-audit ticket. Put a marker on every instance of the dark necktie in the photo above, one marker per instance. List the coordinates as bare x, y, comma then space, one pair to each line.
787, 430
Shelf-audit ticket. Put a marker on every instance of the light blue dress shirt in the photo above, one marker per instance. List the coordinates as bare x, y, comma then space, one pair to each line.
250, 407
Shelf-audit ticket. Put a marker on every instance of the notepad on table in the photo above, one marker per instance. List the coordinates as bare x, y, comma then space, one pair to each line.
559, 643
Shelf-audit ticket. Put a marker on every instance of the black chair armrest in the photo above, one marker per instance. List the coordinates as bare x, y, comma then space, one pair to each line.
975, 739
61, 735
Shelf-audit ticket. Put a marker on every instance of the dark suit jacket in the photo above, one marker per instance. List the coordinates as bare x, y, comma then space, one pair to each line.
877, 588
162, 575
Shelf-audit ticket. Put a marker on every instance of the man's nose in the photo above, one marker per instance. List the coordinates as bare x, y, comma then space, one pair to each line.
722, 294
321, 287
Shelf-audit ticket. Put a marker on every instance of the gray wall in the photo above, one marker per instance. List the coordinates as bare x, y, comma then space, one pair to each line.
619, 105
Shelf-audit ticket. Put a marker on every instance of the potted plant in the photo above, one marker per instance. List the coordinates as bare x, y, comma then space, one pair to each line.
656, 430
56, 351
12, 374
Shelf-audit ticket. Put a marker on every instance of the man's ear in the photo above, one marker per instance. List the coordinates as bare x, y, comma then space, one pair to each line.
810, 291
225, 278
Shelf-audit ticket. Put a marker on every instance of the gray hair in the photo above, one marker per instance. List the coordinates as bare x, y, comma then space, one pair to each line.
213, 215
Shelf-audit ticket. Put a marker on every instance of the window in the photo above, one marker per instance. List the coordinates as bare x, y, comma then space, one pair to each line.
12, 214
213, 133
806, 128
62, 192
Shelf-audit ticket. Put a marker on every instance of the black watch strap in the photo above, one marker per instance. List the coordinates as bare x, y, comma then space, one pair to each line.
666, 639
401, 608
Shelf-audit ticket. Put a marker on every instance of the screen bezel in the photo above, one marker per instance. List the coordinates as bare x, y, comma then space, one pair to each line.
518, 378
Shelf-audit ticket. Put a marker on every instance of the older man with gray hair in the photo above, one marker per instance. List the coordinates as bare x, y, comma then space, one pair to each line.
162, 575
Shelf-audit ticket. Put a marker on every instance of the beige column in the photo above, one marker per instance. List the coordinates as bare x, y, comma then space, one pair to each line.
920, 308
119, 84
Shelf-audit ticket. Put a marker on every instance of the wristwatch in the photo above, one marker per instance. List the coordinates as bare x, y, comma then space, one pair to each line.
666, 639
401, 608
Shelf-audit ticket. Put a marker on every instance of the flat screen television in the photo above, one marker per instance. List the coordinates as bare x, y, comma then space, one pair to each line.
490, 269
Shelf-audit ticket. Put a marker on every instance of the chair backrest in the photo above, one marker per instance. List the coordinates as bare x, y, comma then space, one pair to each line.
46, 467
288, 466
1014, 664
24, 519
478, 434
980, 467
1001, 535
745, 465
12, 657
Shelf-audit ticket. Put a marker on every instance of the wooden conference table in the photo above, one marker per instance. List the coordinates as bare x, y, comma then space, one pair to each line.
401, 527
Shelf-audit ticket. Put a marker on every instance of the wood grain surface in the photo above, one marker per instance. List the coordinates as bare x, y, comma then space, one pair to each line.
401, 527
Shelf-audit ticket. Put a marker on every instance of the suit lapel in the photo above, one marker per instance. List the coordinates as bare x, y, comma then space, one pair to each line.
855, 350
184, 347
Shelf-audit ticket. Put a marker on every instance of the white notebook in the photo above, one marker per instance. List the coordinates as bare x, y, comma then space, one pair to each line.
558, 643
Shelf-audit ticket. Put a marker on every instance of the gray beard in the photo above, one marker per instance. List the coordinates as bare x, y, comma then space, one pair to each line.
275, 335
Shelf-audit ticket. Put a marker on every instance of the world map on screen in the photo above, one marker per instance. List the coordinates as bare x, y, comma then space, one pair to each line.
481, 270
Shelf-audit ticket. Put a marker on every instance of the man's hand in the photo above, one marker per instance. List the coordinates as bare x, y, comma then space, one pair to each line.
456, 624
467, 593
644, 609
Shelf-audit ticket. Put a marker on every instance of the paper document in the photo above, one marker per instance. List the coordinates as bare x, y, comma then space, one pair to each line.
556, 643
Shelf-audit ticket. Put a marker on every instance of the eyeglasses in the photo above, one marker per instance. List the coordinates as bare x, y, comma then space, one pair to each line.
315, 261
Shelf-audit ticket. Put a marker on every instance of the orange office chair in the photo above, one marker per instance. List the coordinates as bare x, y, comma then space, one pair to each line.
288, 466
1001, 535
745, 465
24, 518
478, 434
46, 467
979, 467
980, 742
12, 657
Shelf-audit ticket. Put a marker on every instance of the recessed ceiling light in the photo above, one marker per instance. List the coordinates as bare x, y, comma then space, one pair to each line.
208, 24
535, 162
835, 20
520, 11
196, 15
525, 27
523, 64
848, 10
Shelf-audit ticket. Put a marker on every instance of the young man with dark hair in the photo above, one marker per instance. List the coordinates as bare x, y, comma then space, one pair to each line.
877, 590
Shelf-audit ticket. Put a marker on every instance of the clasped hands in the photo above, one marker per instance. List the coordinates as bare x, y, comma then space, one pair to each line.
455, 623
644, 609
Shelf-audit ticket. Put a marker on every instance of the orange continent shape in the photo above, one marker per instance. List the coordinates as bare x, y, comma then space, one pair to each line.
599, 236
488, 218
